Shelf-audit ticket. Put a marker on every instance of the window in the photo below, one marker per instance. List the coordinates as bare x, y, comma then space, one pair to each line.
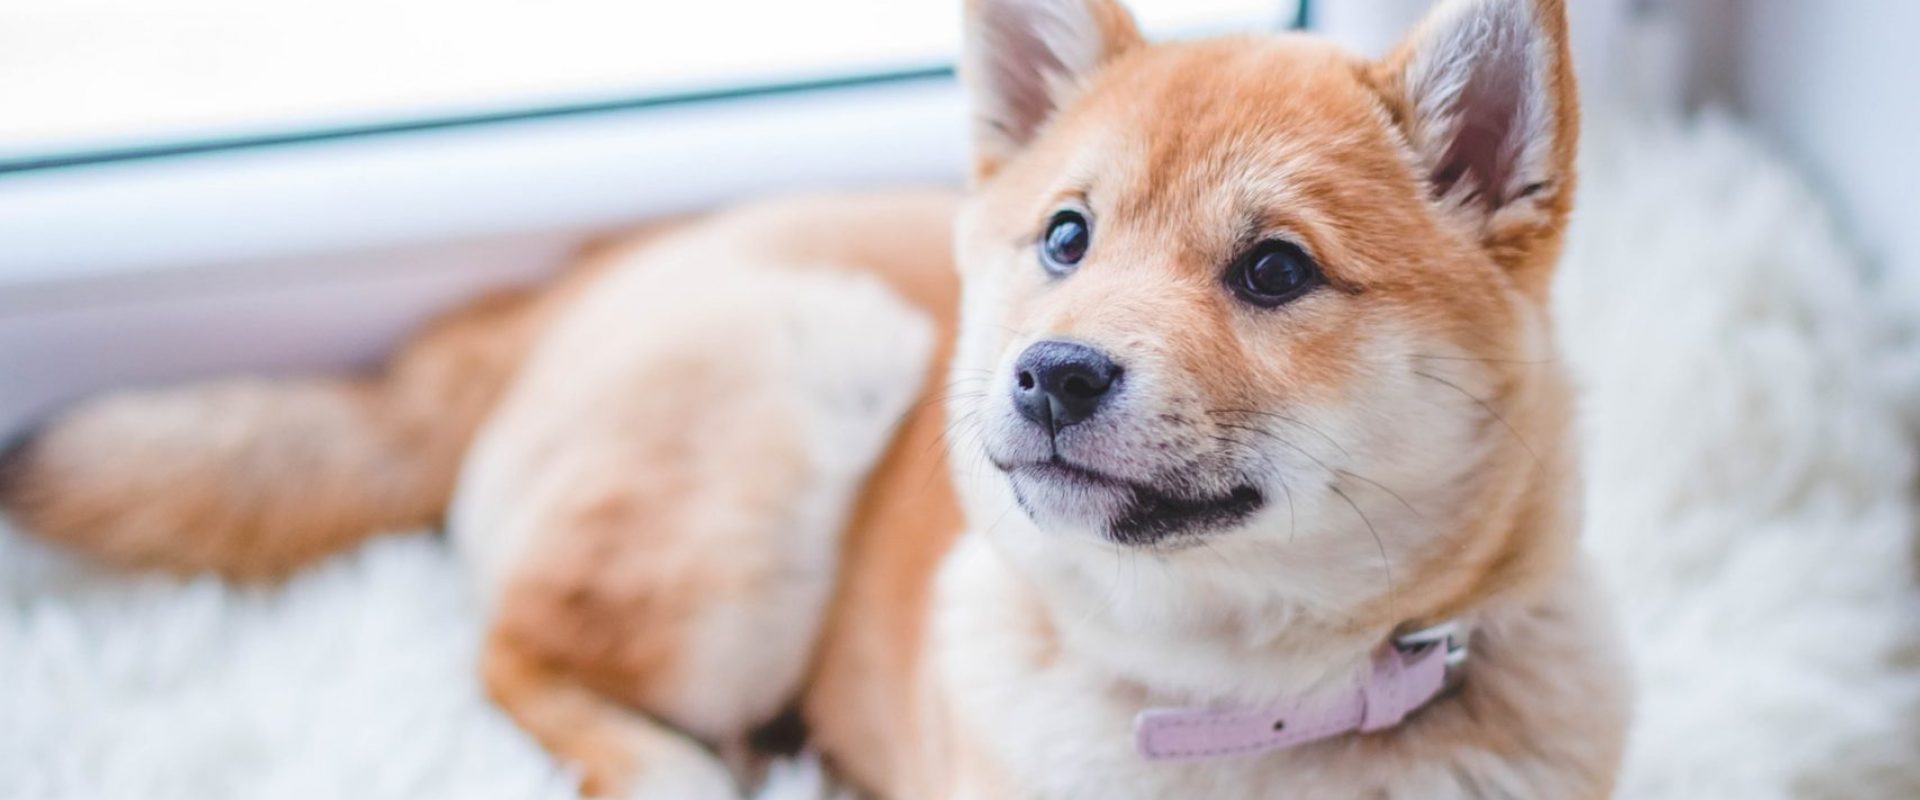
86, 79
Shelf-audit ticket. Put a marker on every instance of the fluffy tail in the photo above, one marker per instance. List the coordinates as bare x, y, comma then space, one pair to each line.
253, 478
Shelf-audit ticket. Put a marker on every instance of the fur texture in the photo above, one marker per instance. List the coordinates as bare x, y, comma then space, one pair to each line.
1388, 450
667, 472
355, 678
1750, 423
662, 501
320, 463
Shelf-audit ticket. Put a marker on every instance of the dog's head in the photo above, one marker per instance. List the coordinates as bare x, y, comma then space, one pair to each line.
1258, 300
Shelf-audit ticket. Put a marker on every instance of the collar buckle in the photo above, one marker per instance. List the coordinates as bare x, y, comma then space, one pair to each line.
1449, 635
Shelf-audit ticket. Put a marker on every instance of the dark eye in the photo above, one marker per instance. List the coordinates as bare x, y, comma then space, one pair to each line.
1066, 242
1274, 273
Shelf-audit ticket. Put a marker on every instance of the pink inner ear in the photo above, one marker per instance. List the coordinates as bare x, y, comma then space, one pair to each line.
1017, 65
1491, 114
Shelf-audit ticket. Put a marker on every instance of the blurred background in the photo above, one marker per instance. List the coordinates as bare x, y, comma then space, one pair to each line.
194, 186
201, 187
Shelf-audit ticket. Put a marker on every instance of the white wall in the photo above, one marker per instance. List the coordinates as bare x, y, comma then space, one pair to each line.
1837, 84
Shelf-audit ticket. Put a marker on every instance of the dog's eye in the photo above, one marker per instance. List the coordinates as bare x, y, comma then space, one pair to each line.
1273, 273
1066, 242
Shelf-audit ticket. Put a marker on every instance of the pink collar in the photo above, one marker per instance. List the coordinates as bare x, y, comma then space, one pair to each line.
1407, 674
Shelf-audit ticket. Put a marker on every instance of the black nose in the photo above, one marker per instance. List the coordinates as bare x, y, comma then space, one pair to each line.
1057, 384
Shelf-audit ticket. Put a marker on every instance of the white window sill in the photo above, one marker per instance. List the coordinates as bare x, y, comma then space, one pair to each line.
568, 173
322, 254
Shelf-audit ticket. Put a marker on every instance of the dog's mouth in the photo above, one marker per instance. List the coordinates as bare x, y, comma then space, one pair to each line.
1133, 513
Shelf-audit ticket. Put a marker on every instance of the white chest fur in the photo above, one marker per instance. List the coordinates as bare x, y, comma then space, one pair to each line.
1053, 722
1049, 718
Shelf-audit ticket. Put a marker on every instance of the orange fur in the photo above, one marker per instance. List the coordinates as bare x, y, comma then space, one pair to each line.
634, 542
673, 546
858, 705
252, 478
1352, 200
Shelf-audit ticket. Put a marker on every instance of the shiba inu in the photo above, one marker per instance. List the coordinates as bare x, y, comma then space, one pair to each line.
1211, 445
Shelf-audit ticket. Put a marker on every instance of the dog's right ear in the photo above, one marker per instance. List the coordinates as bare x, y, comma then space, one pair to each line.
1025, 59
1484, 91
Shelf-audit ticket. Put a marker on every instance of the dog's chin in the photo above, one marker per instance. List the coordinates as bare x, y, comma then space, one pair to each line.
1058, 495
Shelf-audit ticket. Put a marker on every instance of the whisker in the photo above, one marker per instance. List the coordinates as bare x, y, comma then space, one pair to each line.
946, 433
999, 519
1113, 587
1293, 522
1235, 566
966, 426
1284, 418
900, 422
935, 402
1222, 557
1382, 487
1484, 405
1282, 440
1486, 360
1235, 448
1393, 595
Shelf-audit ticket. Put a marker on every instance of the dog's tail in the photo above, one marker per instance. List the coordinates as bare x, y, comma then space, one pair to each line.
253, 478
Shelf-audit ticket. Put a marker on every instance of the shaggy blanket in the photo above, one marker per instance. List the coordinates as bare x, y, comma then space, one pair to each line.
1748, 410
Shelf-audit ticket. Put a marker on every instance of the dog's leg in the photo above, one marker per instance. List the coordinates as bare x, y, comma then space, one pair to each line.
617, 750
655, 510
252, 478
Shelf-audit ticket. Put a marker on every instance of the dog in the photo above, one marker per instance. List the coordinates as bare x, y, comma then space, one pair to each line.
1211, 445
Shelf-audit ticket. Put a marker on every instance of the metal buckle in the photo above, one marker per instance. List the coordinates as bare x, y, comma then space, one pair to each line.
1448, 635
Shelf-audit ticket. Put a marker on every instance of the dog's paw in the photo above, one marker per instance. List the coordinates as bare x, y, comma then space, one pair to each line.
649, 762
701, 778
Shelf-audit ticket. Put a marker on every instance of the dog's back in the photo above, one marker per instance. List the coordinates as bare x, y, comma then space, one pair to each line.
1257, 321
252, 478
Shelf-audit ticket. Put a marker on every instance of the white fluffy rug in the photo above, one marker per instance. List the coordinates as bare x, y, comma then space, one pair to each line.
1750, 424
1750, 421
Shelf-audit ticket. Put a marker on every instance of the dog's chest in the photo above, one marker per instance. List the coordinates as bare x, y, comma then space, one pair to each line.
1050, 724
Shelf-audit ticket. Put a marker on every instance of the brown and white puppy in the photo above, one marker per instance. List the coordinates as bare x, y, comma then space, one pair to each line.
1247, 368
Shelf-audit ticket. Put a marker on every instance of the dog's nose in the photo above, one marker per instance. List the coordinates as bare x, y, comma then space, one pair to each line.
1057, 383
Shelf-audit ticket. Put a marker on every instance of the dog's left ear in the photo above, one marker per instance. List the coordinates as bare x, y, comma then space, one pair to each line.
1024, 60
1484, 90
